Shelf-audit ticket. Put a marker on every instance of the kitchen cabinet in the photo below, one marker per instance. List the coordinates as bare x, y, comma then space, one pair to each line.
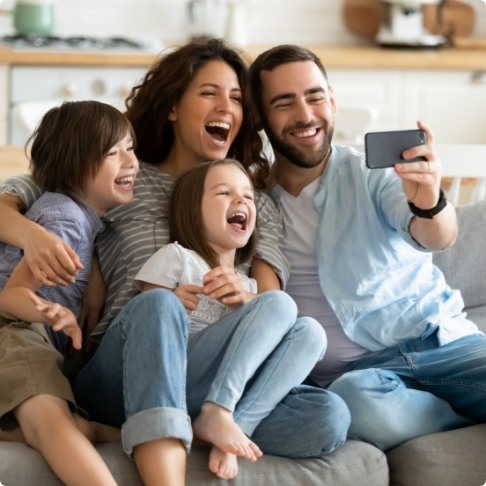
4, 96
451, 102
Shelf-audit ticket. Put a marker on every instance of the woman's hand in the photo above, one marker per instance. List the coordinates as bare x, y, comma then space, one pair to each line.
50, 259
225, 285
59, 318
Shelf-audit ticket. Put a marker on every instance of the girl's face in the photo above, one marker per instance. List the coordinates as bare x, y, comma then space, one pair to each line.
208, 117
227, 208
113, 184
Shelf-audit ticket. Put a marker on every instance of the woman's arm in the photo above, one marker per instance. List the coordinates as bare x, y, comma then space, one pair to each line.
51, 261
270, 268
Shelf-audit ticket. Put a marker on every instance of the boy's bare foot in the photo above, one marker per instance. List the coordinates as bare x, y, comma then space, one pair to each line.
223, 464
215, 425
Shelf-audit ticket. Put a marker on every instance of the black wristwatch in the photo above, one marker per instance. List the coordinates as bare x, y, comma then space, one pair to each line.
429, 213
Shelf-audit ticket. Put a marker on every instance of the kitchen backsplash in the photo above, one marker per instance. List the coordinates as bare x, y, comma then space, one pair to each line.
267, 22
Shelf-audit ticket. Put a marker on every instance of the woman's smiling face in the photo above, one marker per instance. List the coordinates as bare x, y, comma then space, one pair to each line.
209, 115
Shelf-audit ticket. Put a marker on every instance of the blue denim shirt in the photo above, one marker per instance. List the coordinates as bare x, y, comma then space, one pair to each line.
382, 285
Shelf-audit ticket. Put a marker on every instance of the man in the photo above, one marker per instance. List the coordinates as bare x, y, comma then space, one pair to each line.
401, 352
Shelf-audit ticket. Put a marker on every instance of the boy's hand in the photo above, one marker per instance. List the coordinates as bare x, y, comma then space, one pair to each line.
59, 318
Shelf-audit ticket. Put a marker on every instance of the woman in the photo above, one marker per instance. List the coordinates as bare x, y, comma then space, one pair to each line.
192, 106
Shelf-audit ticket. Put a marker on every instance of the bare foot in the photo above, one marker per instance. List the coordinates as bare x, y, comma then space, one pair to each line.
223, 464
96, 432
215, 425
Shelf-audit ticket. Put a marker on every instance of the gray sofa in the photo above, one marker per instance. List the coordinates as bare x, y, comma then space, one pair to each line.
445, 459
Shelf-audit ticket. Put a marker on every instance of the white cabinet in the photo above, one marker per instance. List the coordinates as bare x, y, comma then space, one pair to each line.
451, 102
4, 84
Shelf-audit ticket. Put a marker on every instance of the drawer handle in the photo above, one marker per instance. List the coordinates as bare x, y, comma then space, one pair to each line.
478, 77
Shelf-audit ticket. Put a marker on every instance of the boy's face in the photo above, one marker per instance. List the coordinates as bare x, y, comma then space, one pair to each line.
299, 110
227, 208
113, 184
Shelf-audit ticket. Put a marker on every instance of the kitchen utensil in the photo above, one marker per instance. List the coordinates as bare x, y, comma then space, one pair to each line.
363, 18
34, 17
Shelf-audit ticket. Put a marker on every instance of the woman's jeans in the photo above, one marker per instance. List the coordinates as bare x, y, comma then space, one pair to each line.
137, 380
415, 388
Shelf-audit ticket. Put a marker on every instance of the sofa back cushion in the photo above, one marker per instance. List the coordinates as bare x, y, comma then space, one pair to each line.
464, 264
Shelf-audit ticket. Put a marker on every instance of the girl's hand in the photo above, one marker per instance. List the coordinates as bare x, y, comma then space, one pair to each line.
187, 294
225, 285
59, 318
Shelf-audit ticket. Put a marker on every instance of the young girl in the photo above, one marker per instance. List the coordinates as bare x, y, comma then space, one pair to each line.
82, 156
212, 219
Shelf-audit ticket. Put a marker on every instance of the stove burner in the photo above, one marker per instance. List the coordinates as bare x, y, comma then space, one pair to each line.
68, 43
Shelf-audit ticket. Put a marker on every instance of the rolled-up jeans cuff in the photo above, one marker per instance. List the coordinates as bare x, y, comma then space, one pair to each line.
156, 423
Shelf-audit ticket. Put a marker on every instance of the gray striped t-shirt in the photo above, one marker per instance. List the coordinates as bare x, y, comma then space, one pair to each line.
136, 230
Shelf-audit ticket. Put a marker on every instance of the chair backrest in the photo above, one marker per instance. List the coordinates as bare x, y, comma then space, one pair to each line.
464, 171
352, 123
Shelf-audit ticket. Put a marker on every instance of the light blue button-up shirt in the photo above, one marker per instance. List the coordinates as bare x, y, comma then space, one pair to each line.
382, 285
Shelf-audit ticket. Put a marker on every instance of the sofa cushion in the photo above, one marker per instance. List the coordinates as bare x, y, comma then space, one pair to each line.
464, 264
446, 459
354, 463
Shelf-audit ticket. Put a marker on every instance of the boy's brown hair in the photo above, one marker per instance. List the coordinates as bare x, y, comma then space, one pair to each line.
71, 142
185, 218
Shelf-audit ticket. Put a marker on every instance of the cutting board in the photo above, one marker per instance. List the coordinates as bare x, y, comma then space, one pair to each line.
363, 18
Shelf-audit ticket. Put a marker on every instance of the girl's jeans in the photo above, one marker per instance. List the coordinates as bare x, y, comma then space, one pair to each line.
137, 378
415, 388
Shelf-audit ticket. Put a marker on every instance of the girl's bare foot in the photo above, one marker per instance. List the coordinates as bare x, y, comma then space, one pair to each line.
215, 425
223, 464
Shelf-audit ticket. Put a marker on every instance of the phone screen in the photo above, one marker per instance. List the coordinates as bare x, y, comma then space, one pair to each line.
384, 149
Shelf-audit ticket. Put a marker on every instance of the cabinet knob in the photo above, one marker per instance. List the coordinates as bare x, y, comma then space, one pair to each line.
70, 89
478, 77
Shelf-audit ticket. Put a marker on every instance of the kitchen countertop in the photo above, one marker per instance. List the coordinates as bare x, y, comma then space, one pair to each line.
12, 161
343, 57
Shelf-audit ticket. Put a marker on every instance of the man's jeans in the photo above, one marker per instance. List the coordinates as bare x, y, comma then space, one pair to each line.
415, 388
137, 380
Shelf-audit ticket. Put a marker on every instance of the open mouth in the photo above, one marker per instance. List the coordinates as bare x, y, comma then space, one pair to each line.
238, 221
309, 132
219, 131
125, 182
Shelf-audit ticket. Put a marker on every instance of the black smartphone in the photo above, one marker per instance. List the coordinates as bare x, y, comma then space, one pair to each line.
384, 149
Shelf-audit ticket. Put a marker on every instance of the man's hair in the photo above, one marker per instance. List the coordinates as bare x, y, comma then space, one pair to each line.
272, 58
71, 142
150, 102
185, 214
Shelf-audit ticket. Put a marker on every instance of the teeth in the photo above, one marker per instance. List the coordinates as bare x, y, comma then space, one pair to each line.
307, 133
237, 217
223, 125
124, 180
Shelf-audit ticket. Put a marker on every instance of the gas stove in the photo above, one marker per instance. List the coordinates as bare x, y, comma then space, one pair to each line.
75, 43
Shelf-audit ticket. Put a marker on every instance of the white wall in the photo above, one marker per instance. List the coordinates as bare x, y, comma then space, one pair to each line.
269, 21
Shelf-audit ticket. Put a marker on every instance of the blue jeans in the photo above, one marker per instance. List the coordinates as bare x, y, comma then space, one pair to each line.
137, 380
415, 388
249, 360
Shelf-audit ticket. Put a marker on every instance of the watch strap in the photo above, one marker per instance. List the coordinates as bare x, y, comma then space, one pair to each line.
429, 213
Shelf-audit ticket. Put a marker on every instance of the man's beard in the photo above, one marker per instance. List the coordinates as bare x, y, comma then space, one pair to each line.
298, 158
